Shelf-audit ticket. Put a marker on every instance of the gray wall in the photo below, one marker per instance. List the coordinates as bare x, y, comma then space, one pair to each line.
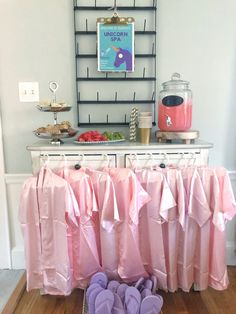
37, 44
195, 38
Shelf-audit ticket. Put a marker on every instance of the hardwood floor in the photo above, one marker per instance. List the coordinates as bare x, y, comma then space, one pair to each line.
208, 301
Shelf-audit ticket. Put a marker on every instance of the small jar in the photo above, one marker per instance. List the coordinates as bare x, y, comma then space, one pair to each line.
175, 105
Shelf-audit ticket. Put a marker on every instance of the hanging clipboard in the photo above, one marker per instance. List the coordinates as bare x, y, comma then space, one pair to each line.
115, 44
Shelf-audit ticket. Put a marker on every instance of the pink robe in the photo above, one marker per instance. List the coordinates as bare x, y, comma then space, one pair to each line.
130, 198
152, 217
30, 226
202, 256
84, 244
225, 209
171, 228
107, 222
47, 205
197, 213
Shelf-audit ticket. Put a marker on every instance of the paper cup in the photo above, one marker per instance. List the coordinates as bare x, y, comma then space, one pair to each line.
145, 122
145, 114
145, 135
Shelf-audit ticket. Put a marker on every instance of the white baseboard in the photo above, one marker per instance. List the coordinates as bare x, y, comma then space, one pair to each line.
231, 253
18, 257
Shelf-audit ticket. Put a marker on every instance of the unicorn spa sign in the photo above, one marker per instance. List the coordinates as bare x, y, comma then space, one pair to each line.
115, 47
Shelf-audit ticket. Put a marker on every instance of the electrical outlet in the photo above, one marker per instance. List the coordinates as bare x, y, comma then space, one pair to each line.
29, 91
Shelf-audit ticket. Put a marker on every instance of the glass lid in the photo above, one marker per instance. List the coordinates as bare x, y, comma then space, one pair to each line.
175, 80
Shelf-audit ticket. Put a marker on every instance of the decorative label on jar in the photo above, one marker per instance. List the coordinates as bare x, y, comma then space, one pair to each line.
171, 101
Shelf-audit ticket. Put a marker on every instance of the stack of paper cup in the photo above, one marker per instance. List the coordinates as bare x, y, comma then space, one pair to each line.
145, 125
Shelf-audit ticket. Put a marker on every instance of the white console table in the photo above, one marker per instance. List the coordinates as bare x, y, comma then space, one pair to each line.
118, 154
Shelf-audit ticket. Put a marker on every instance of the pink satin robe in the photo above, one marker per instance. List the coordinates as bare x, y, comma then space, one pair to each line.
210, 259
197, 213
107, 222
130, 198
174, 222
84, 244
225, 209
152, 217
47, 206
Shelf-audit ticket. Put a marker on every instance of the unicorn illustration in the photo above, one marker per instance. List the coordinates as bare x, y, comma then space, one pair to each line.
123, 55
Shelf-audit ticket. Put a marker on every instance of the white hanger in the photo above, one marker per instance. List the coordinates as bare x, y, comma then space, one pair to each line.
193, 158
165, 160
65, 160
106, 160
133, 158
151, 160
46, 160
183, 157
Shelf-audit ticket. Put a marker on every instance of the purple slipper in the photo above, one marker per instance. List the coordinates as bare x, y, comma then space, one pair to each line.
113, 285
90, 289
146, 292
132, 300
148, 284
118, 307
91, 300
100, 278
152, 304
121, 291
139, 283
154, 284
104, 302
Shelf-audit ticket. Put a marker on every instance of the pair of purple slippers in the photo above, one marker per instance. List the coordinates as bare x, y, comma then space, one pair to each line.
111, 297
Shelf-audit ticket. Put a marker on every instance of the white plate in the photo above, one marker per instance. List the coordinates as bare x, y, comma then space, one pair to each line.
100, 142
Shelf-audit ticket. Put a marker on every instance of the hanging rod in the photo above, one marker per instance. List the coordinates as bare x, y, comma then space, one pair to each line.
95, 32
115, 79
122, 8
86, 124
87, 55
116, 102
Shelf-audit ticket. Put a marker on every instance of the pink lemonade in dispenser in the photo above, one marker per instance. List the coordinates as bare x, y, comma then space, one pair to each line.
175, 105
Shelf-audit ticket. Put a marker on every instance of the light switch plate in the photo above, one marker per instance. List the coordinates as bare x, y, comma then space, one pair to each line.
29, 91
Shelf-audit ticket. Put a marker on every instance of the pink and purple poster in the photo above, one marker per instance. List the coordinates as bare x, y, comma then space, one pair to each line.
115, 47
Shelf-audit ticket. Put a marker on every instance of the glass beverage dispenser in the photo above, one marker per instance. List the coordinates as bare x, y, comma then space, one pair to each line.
175, 105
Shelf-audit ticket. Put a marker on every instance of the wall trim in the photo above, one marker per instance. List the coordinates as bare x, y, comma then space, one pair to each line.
16, 178
232, 175
231, 253
5, 244
18, 257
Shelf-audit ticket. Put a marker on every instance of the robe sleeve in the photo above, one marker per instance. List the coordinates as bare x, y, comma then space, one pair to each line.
109, 214
198, 208
139, 197
167, 200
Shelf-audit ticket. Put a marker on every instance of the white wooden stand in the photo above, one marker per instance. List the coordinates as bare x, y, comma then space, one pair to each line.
187, 137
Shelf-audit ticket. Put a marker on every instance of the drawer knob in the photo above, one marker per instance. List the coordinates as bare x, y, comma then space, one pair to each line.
77, 166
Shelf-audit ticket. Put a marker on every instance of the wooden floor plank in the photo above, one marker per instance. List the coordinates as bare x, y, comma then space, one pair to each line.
33, 302
209, 301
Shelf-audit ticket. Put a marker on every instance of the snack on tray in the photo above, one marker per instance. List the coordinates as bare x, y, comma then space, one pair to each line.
58, 105
55, 129
65, 124
41, 130
48, 104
